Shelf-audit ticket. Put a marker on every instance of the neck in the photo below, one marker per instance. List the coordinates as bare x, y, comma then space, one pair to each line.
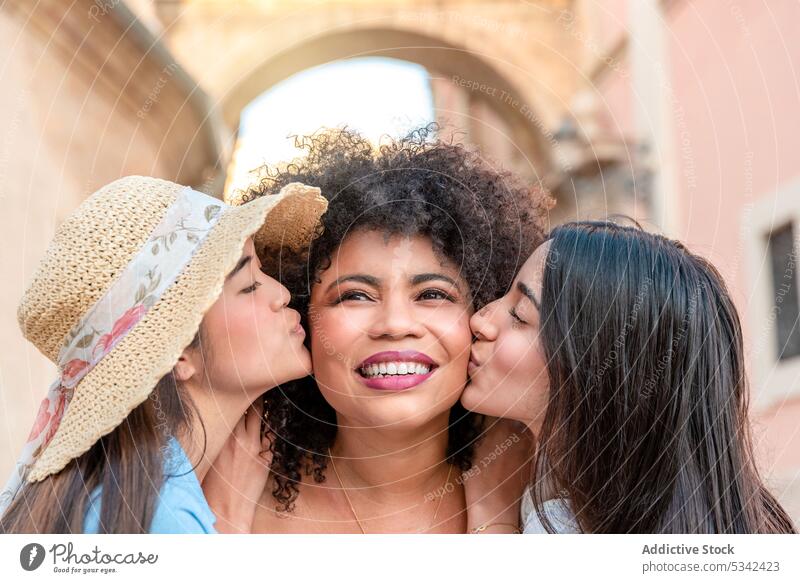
546, 484
389, 461
220, 414
534, 426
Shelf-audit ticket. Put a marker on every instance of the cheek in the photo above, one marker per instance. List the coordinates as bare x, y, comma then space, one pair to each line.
244, 327
332, 333
518, 358
453, 332
332, 336
528, 371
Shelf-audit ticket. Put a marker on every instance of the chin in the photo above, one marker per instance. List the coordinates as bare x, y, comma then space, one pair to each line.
396, 411
302, 368
415, 412
474, 400
402, 418
293, 367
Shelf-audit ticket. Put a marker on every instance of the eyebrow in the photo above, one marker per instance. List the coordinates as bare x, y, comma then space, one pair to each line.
526, 291
425, 277
375, 282
239, 266
366, 279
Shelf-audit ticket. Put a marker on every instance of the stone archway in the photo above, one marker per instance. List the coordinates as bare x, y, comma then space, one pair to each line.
452, 63
510, 64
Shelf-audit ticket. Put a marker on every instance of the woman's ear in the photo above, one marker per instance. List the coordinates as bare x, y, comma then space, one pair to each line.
185, 368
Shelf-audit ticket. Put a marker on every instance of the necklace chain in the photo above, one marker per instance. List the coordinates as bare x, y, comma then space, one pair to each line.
353, 510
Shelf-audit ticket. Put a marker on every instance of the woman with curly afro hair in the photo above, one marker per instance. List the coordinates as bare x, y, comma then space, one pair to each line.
418, 234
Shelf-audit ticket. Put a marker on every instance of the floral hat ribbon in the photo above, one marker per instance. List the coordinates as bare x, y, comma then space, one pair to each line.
153, 269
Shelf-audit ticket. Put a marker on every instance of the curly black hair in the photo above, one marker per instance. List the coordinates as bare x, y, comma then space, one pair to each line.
483, 220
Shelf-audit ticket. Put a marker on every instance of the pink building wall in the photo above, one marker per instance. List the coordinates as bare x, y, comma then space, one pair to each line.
734, 104
735, 75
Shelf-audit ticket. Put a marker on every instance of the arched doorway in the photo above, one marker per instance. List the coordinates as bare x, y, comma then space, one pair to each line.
472, 96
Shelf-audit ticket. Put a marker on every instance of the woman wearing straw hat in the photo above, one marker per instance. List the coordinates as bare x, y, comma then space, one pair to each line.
151, 302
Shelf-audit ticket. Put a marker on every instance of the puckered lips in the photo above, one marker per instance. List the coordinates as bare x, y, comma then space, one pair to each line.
396, 370
298, 329
473, 365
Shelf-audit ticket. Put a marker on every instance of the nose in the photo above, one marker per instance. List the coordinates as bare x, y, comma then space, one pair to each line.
281, 298
394, 318
482, 323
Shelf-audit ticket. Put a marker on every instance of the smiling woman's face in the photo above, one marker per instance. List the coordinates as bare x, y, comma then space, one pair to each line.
508, 372
390, 337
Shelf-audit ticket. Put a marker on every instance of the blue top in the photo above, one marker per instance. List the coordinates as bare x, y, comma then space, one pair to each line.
182, 507
558, 512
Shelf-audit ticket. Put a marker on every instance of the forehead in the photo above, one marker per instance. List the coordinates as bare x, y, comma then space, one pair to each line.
375, 252
532, 270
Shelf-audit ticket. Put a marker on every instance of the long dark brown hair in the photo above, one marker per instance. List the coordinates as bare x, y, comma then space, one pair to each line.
646, 429
127, 463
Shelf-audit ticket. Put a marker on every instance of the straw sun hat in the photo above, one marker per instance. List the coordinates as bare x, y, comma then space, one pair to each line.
92, 252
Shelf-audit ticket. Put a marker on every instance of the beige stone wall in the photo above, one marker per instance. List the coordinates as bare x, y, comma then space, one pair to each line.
68, 125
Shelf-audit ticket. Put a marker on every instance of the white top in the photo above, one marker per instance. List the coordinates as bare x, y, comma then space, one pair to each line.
557, 511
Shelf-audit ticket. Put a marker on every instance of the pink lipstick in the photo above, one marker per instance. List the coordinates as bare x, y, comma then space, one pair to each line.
396, 370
